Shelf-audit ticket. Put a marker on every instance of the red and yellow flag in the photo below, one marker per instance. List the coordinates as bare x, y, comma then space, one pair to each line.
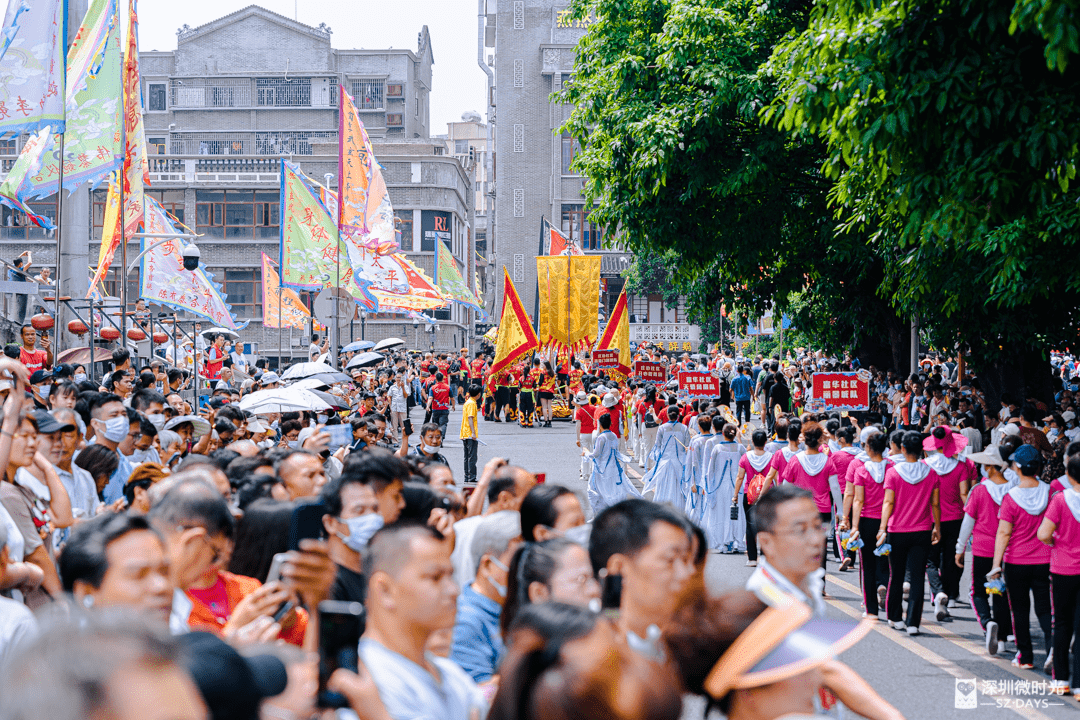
516, 336
617, 334
280, 301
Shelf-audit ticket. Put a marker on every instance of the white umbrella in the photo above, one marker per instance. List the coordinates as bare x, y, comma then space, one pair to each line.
277, 400
388, 343
230, 334
306, 369
310, 383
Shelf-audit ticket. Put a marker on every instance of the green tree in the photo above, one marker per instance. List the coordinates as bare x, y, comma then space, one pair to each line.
667, 97
952, 136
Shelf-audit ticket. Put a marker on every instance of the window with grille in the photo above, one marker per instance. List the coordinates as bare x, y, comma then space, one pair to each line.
171, 200
368, 94
242, 288
156, 97
237, 214
577, 227
9, 147
395, 90
279, 92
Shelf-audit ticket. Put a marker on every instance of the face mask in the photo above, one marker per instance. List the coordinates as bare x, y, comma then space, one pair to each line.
321, 419
139, 456
116, 429
80, 377
157, 420
431, 449
293, 444
501, 589
360, 530
44, 391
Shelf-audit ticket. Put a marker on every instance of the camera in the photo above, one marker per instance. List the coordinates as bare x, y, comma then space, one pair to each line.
191, 257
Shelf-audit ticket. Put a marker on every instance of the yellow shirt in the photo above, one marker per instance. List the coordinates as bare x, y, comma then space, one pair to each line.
469, 413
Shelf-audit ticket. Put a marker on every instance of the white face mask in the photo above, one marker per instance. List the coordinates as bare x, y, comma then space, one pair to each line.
293, 444
80, 377
157, 420
361, 528
320, 419
501, 589
44, 391
114, 429
431, 449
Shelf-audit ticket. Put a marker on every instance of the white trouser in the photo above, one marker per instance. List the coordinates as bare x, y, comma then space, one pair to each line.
649, 435
586, 440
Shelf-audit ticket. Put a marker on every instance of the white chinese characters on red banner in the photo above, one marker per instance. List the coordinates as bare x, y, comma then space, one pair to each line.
649, 372
697, 385
840, 391
605, 359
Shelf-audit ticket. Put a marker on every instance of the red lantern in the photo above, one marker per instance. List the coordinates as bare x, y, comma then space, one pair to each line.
109, 333
42, 321
136, 334
159, 338
77, 327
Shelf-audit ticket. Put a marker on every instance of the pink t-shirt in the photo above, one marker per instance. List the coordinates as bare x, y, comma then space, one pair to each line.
842, 461
911, 503
873, 492
1058, 484
1065, 555
952, 504
981, 507
779, 462
744, 463
818, 484
1024, 547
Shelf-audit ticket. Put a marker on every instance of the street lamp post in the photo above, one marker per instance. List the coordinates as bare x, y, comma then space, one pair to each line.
416, 335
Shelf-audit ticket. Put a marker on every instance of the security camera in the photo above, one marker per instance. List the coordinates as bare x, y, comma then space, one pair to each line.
191, 257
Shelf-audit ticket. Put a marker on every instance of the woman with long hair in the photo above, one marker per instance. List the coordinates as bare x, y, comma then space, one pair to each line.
669, 457
866, 477
751, 465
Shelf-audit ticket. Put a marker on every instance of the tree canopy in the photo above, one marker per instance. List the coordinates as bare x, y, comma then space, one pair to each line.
857, 161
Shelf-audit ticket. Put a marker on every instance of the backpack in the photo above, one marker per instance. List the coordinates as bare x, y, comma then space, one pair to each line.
753, 488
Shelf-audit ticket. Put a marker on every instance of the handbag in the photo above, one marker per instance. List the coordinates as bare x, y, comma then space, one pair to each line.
735, 510
754, 487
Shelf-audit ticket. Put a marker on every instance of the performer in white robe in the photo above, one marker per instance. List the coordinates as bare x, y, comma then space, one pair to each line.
721, 471
669, 453
695, 470
609, 483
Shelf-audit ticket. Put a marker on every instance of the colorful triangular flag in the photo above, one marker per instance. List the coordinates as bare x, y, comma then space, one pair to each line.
516, 336
617, 334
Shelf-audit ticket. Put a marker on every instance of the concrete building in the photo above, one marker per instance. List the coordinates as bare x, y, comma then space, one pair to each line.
468, 142
534, 49
241, 92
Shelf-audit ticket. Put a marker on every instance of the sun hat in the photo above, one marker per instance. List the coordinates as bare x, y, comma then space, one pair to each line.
989, 456
1011, 429
781, 643
1068, 416
200, 425
949, 445
581, 398
610, 400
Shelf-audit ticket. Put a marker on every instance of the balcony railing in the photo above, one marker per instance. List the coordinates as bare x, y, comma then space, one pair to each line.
212, 169
664, 332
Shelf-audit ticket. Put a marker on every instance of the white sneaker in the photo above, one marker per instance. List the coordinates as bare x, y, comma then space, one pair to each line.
1059, 687
940, 610
751, 563
1011, 638
898, 625
912, 630
953, 604
992, 643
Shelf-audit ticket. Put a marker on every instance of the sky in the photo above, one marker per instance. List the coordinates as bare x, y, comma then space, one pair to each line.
458, 82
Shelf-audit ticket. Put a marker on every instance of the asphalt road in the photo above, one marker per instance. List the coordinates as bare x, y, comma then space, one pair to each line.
928, 676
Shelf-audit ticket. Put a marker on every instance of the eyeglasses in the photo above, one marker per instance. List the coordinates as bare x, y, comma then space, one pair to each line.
806, 532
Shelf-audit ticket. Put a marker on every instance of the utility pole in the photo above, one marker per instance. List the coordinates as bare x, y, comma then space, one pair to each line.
914, 344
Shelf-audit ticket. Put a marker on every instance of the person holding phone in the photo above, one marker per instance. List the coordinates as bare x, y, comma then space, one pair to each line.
30, 355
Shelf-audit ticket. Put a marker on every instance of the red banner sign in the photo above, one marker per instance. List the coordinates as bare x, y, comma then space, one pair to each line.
605, 359
650, 372
697, 385
840, 391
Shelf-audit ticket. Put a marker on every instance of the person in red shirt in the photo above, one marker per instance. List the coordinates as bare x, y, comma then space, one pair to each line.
610, 405
215, 358
30, 356
441, 403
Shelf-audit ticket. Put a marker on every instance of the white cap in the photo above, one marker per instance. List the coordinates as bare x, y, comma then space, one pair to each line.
1011, 429
1068, 416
